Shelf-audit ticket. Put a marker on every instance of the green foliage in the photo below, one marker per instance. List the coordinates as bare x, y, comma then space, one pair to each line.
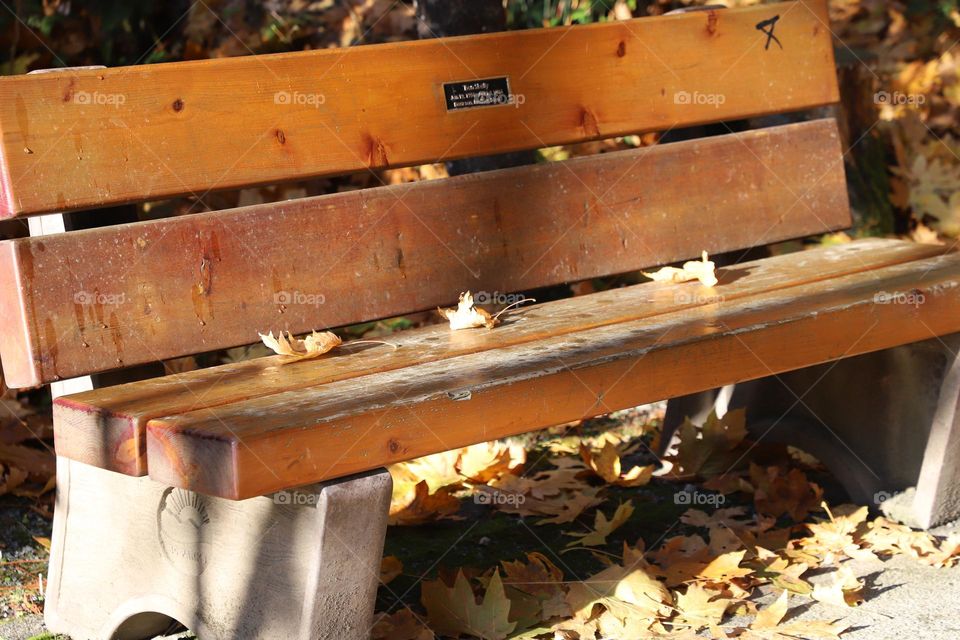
523, 14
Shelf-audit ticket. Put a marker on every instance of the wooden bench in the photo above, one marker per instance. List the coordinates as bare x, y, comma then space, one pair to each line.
167, 501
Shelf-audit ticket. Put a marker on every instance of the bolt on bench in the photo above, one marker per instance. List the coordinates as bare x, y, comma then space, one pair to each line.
165, 506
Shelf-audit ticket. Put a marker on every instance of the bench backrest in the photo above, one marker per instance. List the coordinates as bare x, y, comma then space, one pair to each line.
100, 299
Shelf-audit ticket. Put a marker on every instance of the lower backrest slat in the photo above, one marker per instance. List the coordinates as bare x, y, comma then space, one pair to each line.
100, 299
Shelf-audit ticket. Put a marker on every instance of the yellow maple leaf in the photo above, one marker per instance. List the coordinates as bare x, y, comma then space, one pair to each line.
606, 464
700, 606
419, 506
843, 590
603, 527
455, 611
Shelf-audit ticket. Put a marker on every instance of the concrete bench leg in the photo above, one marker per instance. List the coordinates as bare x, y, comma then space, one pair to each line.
882, 422
131, 555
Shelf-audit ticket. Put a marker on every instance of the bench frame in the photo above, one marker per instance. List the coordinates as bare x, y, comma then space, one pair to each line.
305, 564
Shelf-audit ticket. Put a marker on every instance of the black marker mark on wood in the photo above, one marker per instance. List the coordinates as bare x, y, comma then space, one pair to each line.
767, 27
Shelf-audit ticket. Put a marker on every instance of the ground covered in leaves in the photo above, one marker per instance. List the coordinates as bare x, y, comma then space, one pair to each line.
582, 533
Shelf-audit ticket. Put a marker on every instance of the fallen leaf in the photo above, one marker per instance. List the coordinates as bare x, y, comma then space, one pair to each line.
467, 315
541, 579
778, 493
606, 464
603, 527
312, 346
400, 625
702, 270
568, 509
699, 606
624, 591
709, 450
420, 506
843, 590
390, 568
455, 611
771, 616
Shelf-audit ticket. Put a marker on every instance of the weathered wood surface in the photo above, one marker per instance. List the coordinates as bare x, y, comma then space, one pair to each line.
261, 445
130, 554
117, 296
84, 138
106, 427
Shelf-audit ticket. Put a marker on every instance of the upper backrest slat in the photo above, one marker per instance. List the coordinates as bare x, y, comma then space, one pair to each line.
88, 301
85, 138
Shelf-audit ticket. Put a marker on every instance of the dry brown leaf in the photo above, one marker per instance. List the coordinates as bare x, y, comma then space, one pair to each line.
702, 270
390, 568
312, 346
771, 616
710, 450
606, 464
602, 527
455, 611
400, 625
626, 592
420, 506
467, 315
843, 590
700, 607
486, 461
778, 493
567, 509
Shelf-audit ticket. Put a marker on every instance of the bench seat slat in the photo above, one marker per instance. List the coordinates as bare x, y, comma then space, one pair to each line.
95, 300
84, 138
290, 439
106, 427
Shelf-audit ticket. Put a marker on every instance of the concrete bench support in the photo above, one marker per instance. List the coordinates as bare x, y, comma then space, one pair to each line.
130, 556
883, 423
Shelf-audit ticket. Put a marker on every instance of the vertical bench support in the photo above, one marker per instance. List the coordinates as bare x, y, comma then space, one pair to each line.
131, 555
883, 423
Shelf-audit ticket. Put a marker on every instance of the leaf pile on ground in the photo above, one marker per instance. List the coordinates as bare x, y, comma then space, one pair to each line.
706, 580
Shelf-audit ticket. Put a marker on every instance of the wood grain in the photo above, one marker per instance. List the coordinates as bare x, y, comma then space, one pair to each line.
106, 298
288, 439
85, 138
106, 427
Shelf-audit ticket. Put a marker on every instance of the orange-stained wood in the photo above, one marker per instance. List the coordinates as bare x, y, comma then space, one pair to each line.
298, 437
105, 298
105, 427
84, 138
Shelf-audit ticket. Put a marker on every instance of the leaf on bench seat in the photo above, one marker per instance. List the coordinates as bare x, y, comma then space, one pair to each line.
314, 345
702, 270
467, 315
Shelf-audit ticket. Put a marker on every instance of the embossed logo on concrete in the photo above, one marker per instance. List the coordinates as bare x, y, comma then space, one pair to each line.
183, 530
